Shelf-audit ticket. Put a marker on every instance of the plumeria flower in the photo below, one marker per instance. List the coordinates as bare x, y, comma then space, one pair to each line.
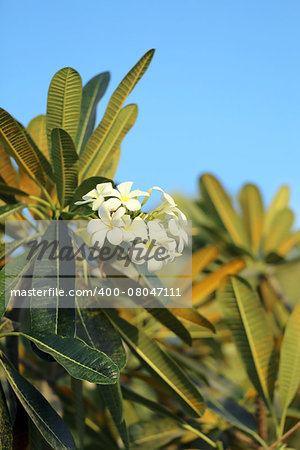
97, 196
133, 229
123, 196
176, 227
108, 226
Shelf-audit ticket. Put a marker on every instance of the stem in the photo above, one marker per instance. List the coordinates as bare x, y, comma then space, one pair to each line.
286, 435
201, 435
37, 212
48, 197
40, 200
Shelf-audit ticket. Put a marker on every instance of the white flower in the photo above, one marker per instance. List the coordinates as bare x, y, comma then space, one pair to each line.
133, 229
108, 226
123, 196
176, 227
97, 196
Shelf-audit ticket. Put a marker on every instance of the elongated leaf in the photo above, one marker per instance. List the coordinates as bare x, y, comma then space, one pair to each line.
9, 190
279, 229
37, 128
279, 202
53, 272
193, 316
77, 398
40, 412
155, 433
95, 329
168, 318
246, 319
211, 282
159, 362
224, 209
112, 113
253, 214
112, 396
7, 170
7, 210
120, 127
92, 93
64, 102
289, 366
19, 147
79, 359
289, 243
6, 432
64, 159
111, 162
86, 186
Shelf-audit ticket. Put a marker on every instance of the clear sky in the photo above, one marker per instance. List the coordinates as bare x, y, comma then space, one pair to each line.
222, 93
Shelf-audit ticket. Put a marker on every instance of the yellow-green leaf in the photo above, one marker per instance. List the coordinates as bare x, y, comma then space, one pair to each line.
19, 147
112, 112
122, 124
64, 102
7, 170
289, 366
253, 214
279, 202
37, 128
224, 209
279, 229
245, 317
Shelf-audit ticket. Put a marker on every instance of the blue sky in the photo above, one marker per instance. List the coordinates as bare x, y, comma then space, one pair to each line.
222, 94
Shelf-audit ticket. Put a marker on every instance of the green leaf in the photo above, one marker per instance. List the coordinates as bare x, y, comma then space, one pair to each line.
6, 432
37, 128
224, 209
94, 328
113, 399
253, 214
52, 273
19, 147
79, 359
7, 170
92, 93
170, 321
9, 190
38, 409
158, 361
155, 433
104, 149
77, 398
86, 186
289, 365
64, 102
7, 210
245, 316
279, 202
111, 114
279, 229
64, 159
110, 164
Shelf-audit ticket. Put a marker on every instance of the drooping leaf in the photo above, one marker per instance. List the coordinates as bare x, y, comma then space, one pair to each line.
6, 432
19, 147
253, 214
7, 170
289, 243
92, 93
112, 113
168, 318
7, 210
210, 283
160, 363
38, 409
79, 359
64, 102
64, 162
37, 128
95, 329
289, 365
193, 316
104, 149
224, 209
53, 313
245, 317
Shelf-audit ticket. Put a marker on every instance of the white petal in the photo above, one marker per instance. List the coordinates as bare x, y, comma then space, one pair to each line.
154, 265
128, 235
115, 236
98, 238
97, 203
118, 214
132, 204
82, 202
113, 203
138, 193
104, 212
94, 225
104, 188
124, 188
91, 194
173, 227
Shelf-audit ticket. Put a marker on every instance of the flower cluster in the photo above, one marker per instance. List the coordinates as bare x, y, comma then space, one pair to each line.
121, 220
